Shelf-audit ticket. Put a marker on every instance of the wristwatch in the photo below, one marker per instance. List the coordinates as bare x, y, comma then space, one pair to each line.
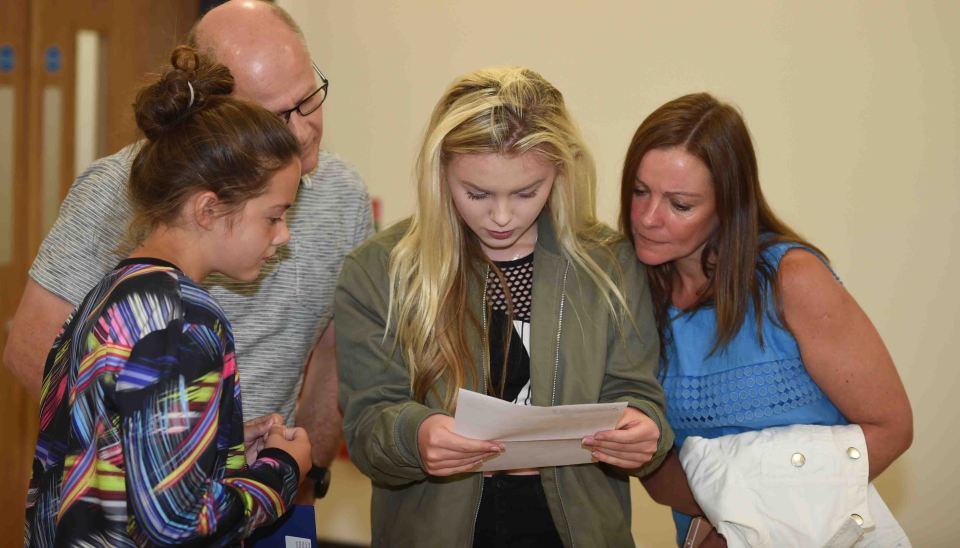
321, 480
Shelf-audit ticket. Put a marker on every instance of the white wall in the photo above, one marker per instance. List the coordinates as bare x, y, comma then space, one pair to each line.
853, 107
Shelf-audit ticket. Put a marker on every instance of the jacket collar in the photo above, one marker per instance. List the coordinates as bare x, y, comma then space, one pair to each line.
546, 234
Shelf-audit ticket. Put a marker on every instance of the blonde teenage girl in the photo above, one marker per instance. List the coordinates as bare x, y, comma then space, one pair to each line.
504, 283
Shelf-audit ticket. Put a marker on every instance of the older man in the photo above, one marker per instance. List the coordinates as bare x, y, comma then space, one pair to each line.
284, 319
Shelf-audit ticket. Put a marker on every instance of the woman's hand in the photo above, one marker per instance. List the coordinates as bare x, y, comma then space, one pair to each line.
255, 432
444, 453
631, 445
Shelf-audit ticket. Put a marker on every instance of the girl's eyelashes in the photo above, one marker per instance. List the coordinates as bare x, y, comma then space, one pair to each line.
482, 195
682, 208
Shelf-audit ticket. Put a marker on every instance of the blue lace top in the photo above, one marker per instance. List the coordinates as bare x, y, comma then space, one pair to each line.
741, 387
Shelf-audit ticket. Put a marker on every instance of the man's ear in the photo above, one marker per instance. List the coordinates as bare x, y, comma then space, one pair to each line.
204, 208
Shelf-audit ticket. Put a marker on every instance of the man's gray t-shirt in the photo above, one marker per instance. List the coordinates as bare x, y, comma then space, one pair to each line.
276, 319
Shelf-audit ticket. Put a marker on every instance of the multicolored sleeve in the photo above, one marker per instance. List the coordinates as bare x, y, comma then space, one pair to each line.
175, 400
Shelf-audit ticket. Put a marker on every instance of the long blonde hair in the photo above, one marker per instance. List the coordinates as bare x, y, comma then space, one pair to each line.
505, 111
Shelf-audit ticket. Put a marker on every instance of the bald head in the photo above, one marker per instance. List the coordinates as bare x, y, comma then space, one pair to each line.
244, 32
267, 55
242, 16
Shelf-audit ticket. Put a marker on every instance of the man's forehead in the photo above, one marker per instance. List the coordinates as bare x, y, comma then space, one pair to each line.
243, 36
275, 86
268, 74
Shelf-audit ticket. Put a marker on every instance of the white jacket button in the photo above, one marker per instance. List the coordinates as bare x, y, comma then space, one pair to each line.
798, 460
853, 453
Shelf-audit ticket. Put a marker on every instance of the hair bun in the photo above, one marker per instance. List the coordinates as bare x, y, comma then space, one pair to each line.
162, 106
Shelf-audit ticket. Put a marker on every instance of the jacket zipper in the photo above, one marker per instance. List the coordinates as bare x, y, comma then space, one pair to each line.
553, 396
483, 382
556, 354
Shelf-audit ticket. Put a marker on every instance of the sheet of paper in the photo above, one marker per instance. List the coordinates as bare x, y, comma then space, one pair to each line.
533, 437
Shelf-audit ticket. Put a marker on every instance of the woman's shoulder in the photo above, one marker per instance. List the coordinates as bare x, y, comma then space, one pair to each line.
382, 242
373, 255
795, 263
610, 248
802, 272
773, 249
600, 238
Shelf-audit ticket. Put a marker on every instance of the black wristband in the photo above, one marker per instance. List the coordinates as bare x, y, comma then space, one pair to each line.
321, 480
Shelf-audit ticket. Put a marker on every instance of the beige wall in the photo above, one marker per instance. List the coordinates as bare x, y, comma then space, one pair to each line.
853, 106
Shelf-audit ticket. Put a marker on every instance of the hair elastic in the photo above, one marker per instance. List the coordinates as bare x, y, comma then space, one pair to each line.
189, 85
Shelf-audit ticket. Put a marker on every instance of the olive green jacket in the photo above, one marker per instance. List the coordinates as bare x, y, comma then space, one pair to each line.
577, 355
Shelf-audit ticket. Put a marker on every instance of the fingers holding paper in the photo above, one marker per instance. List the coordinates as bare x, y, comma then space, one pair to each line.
631, 445
444, 453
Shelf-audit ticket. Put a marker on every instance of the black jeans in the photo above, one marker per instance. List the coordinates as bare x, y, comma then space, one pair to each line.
514, 513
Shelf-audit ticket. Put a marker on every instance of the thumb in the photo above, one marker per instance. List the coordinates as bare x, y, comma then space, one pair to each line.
294, 434
261, 425
273, 419
630, 417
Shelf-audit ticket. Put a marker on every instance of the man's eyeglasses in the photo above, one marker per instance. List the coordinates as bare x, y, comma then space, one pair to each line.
311, 102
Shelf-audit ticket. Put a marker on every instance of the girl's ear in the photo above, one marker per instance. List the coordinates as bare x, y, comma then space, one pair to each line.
203, 208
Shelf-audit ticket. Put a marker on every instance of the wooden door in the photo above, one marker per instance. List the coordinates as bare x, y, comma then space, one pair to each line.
38, 69
18, 417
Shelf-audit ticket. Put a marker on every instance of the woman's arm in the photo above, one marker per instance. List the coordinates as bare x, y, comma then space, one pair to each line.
668, 485
846, 357
380, 418
391, 438
632, 361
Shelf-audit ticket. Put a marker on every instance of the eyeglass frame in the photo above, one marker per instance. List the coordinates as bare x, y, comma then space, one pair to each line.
324, 87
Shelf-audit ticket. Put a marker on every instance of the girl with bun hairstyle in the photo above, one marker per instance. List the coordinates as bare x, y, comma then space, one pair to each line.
142, 439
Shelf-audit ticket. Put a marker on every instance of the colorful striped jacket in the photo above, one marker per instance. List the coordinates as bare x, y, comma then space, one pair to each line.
141, 426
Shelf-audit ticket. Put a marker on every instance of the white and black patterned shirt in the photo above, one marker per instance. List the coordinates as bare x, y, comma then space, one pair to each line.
515, 385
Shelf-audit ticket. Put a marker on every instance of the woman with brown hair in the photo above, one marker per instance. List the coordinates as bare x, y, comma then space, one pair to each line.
757, 331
